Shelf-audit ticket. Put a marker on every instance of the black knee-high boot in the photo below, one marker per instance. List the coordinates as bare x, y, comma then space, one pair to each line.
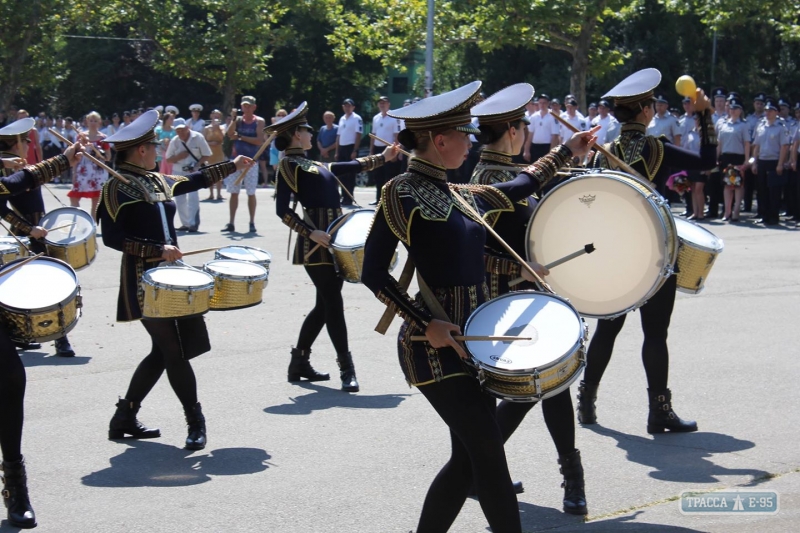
124, 422
347, 371
574, 494
300, 367
196, 440
15, 495
663, 418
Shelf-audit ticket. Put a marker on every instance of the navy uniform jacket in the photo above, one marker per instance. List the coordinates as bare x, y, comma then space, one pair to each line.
15, 183
656, 158
131, 222
27, 209
315, 186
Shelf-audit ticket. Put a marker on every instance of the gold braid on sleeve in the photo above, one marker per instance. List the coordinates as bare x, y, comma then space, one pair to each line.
48, 169
708, 133
371, 162
545, 168
142, 249
501, 265
18, 224
218, 172
295, 224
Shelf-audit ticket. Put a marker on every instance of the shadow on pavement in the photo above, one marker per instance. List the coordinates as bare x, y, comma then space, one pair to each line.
150, 464
682, 457
40, 358
535, 518
328, 398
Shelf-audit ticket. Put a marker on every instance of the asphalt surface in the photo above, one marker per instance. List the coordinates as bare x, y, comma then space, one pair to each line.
311, 459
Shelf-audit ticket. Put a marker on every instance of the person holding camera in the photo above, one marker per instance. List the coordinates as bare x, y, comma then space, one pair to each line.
188, 152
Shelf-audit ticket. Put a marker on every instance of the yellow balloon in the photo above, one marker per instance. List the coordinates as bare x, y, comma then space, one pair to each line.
686, 86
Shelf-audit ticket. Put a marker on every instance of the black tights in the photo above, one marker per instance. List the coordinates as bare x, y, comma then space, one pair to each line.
12, 396
166, 354
558, 417
328, 310
656, 315
477, 449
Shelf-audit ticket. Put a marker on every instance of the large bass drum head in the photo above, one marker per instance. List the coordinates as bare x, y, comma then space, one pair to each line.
629, 233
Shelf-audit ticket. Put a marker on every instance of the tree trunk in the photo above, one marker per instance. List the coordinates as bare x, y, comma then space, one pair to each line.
580, 59
229, 91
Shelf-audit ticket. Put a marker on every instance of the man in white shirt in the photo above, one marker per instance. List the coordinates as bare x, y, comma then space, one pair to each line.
351, 126
604, 120
663, 123
196, 123
386, 128
572, 116
187, 152
545, 132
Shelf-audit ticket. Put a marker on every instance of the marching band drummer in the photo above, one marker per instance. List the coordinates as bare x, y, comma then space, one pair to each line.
12, 371
315, 186
652, 158
28, 209
502, 124
137, 219
417, 208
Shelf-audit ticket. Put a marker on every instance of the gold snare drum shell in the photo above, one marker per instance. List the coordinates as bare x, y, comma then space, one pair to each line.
176, 292
697, 252
237, 284
75, 244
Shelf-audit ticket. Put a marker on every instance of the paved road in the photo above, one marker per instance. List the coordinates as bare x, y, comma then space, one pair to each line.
311, 459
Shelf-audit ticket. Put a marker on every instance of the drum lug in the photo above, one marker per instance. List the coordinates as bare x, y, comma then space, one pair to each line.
668, 271
249, 287
190, 297
481, 376
537, 383
659, 200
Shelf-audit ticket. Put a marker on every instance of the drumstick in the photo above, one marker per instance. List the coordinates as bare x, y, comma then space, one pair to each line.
599, 147
389, 144
21, 263
191, 252
255, 157
334, 228
93, 159
589, 248
61, 227
19, 241
503, 243
500, 338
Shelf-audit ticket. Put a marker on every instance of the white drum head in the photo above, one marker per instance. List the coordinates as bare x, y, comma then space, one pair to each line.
244, 253
228, 267
552, 324
698, 236
353, 233
81, 229
13, 242
629, 238
179, 277
38, 284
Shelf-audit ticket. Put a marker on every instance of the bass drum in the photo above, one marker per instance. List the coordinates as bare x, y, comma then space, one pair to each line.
633, 233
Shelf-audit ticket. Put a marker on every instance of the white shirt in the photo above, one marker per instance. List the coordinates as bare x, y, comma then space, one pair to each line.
385, 127
579, 122
197, 145
543, 127
196, 125
349, 128
605, 124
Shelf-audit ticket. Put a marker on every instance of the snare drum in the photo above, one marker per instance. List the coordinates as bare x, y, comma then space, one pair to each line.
237, 284
39, 301
531, 370
245, 253
176, 292
76, 244
633, 233
8, 252
22, 250
348, 241
698, 249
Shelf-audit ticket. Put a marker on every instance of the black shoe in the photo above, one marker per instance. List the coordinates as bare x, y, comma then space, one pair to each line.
196, 440
587, 396
347, 372
663, 418
518, 489
228, 228
374, 203
63, 348
124, 422
758, 221
252, 228
300, 367
25, 346
182, 228
574, 493
193, 229
15, 495
684, 214
772, 223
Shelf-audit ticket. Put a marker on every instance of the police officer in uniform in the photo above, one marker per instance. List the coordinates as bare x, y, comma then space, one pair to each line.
137, 220
770, 151
752, 121
790, 189
12, 372
651, 157
733, 150
28, 210
664, 123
